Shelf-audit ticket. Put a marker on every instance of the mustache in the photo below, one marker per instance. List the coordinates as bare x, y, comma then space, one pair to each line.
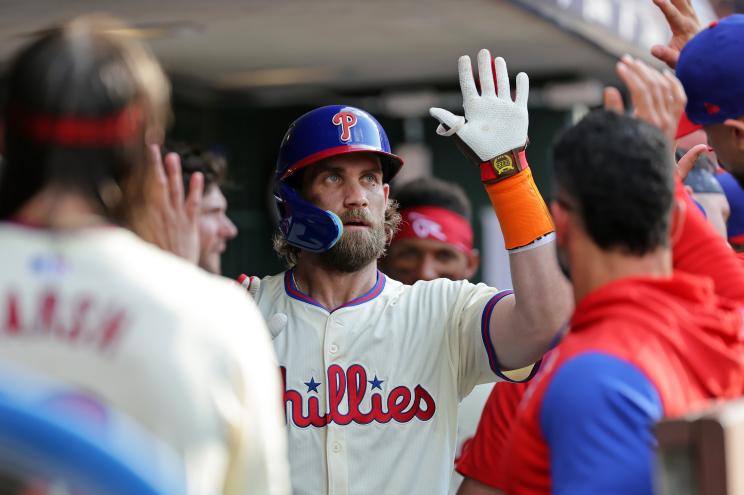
358, 215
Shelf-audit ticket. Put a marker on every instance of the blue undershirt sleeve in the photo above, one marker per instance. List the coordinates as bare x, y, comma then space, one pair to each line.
597, 417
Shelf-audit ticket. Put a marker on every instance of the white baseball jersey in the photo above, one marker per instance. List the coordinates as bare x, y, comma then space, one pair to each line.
372, 387
184, 353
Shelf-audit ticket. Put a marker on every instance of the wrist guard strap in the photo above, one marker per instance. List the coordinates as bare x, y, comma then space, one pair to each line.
520, 208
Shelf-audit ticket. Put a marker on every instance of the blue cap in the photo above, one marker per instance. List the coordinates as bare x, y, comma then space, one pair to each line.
711, 69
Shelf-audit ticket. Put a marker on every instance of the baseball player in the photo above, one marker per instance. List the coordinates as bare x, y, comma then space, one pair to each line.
374, 369
88, 303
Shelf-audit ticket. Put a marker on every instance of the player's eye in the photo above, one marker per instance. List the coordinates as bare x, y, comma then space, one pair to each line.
371, 178
333, 178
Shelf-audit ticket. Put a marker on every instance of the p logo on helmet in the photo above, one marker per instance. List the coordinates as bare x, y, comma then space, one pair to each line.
346, 120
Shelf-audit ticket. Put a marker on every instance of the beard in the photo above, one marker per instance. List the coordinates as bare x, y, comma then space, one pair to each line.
356, 249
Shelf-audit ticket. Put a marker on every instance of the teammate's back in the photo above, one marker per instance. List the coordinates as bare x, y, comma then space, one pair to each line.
180, 351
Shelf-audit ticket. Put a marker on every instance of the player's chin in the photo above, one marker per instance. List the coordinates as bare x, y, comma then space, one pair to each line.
212, 263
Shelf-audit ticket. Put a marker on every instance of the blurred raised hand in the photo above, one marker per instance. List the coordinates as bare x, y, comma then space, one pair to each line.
683, 22
172, 221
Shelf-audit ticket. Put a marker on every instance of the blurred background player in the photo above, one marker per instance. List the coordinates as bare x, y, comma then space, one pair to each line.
215, 228
714, 83
435, 238
85, 301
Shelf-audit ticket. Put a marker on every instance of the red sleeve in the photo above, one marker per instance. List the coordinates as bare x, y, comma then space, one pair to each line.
481, 455
699, 250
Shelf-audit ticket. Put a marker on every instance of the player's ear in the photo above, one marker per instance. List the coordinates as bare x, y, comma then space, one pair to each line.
561, 221
736, 127
386, 191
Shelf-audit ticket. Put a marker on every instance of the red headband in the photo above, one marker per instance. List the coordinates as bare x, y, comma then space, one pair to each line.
436, 224
73, 130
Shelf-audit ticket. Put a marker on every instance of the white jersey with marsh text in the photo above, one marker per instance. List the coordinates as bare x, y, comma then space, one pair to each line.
183, 353
372, 387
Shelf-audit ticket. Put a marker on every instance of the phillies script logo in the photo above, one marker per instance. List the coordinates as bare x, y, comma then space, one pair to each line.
346, 120
425, 227
350, 387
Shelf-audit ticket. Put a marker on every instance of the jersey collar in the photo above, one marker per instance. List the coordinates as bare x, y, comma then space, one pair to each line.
293, 292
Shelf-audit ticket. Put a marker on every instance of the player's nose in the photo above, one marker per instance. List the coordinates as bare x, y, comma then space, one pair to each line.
228, 228
426, 269
355, 195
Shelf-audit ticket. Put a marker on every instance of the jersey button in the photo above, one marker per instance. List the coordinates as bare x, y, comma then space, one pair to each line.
333, 348
336, 447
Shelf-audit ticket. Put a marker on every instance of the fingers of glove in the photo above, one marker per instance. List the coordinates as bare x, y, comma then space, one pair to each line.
175, 180
523, 89
502, 79
467, 84
485, 73
613, 100
452, 122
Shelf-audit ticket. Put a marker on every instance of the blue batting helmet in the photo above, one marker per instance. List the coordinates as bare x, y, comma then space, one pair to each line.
322, 133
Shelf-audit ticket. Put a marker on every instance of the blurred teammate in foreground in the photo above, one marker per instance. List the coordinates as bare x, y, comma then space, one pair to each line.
84, 300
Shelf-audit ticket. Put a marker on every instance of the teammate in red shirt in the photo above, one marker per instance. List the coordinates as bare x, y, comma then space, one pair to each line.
645, 342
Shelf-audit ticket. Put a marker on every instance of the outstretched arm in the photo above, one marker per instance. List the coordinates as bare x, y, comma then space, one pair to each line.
493, 133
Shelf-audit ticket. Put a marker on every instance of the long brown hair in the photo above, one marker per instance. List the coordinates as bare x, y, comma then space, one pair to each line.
80, 100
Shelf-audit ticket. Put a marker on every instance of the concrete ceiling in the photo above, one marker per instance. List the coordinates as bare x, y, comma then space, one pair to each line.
258, 45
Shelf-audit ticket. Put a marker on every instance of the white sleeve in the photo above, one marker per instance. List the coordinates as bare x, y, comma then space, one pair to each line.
475, 353
258, 444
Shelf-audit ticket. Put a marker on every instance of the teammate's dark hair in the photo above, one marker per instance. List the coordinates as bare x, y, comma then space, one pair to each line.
195, 159
617, 172
430, 191
87, 70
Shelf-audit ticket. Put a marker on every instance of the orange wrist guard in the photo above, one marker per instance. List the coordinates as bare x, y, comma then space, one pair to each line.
520, 208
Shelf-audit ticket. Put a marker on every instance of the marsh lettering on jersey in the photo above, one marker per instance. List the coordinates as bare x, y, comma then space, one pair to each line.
350, 386
48, 314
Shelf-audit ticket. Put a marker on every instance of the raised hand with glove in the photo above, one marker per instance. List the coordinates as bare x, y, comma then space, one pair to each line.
493, 133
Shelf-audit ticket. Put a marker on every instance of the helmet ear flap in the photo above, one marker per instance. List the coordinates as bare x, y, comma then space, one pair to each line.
303, 224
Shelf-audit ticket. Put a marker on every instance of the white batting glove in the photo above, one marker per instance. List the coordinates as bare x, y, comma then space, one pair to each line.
493, 124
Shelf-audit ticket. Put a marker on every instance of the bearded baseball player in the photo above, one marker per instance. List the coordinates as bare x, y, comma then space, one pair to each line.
374, 369
106, 314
